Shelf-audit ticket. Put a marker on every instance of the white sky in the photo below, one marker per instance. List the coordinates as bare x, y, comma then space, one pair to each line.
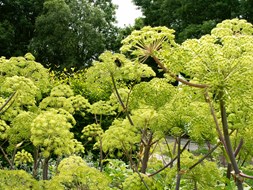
126, 13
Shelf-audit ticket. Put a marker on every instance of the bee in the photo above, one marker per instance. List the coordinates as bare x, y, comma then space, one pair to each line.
118, 62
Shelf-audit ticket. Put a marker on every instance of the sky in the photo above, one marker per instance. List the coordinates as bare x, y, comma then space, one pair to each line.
126, 13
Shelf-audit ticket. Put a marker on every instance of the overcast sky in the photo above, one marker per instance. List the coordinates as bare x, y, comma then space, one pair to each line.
126, 12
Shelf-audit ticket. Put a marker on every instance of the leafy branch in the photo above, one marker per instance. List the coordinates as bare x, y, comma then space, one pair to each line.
9, 100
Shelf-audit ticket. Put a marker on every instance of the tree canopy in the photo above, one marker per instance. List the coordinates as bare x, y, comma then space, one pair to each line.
60, 33
17, 25
192, 19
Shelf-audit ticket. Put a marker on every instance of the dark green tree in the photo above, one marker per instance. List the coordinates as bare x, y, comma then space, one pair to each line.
17, 19
73, 33
192, 19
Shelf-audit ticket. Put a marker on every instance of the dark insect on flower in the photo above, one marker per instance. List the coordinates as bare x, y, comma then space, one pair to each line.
118, 62
218, 41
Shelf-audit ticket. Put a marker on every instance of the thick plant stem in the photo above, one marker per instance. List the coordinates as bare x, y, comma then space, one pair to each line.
220, 135
178, 164
45, 168
6, 158
36, 162
230, 151
146, 154
229, 167
121, 101
5, 106
101, 154
175, 76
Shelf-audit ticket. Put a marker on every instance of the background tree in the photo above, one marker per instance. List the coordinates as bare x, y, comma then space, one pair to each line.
17, 24
60, 33
73, 33
192, 19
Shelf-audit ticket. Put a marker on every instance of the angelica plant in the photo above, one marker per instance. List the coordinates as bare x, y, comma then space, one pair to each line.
74, 173
219, 63
50, 133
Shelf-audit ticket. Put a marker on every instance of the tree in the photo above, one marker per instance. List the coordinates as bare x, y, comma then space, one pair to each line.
192, 19
73, 33
17, 25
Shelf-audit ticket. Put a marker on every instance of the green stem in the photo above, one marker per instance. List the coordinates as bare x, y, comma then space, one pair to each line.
101, 154
175, 76
178, 164
6, 157
204, 157
45, 168
220, 135
121, 101
228, 142
145, 159
168, 164
2, 110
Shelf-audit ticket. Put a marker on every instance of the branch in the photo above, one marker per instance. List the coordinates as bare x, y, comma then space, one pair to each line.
178, 164
245, 175
238, 148
228, 142
6, 157
120, 100
134, 167
167, 165
7, 101
175, 76
220, 135
204, 157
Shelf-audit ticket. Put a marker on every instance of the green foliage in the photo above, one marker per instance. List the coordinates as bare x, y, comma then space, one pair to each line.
14, 179
50, 132
134, 182
192, 19
3, 128
93, 131
23, 157
155, 93
73, 33
80, 104
75, 174
20, 130
120, 136
17, 25
26, 67
118, 171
